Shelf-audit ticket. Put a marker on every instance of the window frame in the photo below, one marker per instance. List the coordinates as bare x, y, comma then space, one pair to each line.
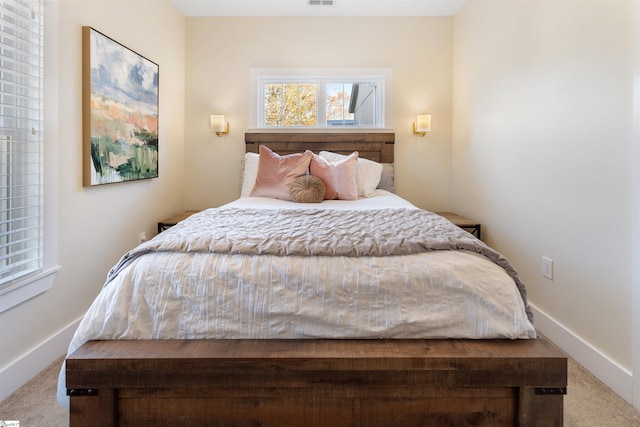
298, 81
29, 286
320, 76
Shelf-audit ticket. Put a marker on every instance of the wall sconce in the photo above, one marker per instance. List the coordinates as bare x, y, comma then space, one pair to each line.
219, 125
422, 125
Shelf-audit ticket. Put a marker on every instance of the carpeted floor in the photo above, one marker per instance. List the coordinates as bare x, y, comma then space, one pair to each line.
588, 403
35, 404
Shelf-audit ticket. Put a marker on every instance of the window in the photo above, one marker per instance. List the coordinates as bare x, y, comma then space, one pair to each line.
303, 98
21, 142
289, 104
339, 107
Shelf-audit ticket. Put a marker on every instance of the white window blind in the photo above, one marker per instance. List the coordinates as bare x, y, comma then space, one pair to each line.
21, 144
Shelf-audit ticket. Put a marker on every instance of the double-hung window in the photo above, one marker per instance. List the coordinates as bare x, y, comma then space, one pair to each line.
21, 141
317, 98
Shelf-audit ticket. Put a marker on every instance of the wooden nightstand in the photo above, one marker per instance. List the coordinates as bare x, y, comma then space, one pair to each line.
173, 220
465, 223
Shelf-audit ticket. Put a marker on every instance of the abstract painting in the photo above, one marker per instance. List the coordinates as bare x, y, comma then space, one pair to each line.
120, 112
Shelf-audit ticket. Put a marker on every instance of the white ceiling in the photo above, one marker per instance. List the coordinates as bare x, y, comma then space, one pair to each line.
302, 8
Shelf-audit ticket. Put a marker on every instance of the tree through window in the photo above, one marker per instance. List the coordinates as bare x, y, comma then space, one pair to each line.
311, 101
290, 104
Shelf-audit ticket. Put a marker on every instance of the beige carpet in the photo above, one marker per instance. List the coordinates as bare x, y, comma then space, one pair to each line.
588, 403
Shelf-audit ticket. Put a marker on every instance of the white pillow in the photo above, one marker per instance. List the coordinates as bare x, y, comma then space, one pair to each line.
368, 172
249, 173
387, 180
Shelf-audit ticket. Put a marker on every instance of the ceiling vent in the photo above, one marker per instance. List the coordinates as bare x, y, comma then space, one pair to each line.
320, 2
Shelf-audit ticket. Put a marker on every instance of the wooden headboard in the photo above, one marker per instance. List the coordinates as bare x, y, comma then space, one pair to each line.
376, 146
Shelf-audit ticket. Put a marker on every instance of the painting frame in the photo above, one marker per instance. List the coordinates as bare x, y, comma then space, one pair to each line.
120, 109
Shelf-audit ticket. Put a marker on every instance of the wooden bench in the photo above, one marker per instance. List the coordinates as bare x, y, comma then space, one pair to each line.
317, 383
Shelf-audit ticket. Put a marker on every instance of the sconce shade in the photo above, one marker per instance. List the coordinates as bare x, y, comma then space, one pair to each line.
219, 124
422, 124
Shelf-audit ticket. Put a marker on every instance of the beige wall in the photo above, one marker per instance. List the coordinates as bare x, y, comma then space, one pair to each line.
542, 153
531, 136
96, 225
221, 52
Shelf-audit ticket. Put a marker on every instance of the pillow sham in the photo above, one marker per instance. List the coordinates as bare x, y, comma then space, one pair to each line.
276, 173
387, 178
367, 174
249, 173
339, 176
307, 189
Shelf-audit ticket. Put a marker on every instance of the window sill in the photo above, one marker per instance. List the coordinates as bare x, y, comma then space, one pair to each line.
28, 288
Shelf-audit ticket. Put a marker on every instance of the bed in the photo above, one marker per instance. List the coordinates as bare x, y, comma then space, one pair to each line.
388, 315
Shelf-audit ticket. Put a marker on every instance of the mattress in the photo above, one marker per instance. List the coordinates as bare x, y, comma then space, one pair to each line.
255, 285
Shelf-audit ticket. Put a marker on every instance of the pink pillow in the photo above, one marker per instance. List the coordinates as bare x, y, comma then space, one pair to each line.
339, 176
276, 173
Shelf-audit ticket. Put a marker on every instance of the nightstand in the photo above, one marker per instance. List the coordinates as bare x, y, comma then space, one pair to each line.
173, 220
464, 223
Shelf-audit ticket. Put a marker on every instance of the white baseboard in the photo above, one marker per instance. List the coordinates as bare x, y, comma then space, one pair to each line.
31, 363
617, 378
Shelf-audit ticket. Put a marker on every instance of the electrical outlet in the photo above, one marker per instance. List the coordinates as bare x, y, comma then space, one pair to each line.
547, 267
142, 237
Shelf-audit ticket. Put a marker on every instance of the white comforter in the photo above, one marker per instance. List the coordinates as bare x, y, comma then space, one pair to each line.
199, 294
